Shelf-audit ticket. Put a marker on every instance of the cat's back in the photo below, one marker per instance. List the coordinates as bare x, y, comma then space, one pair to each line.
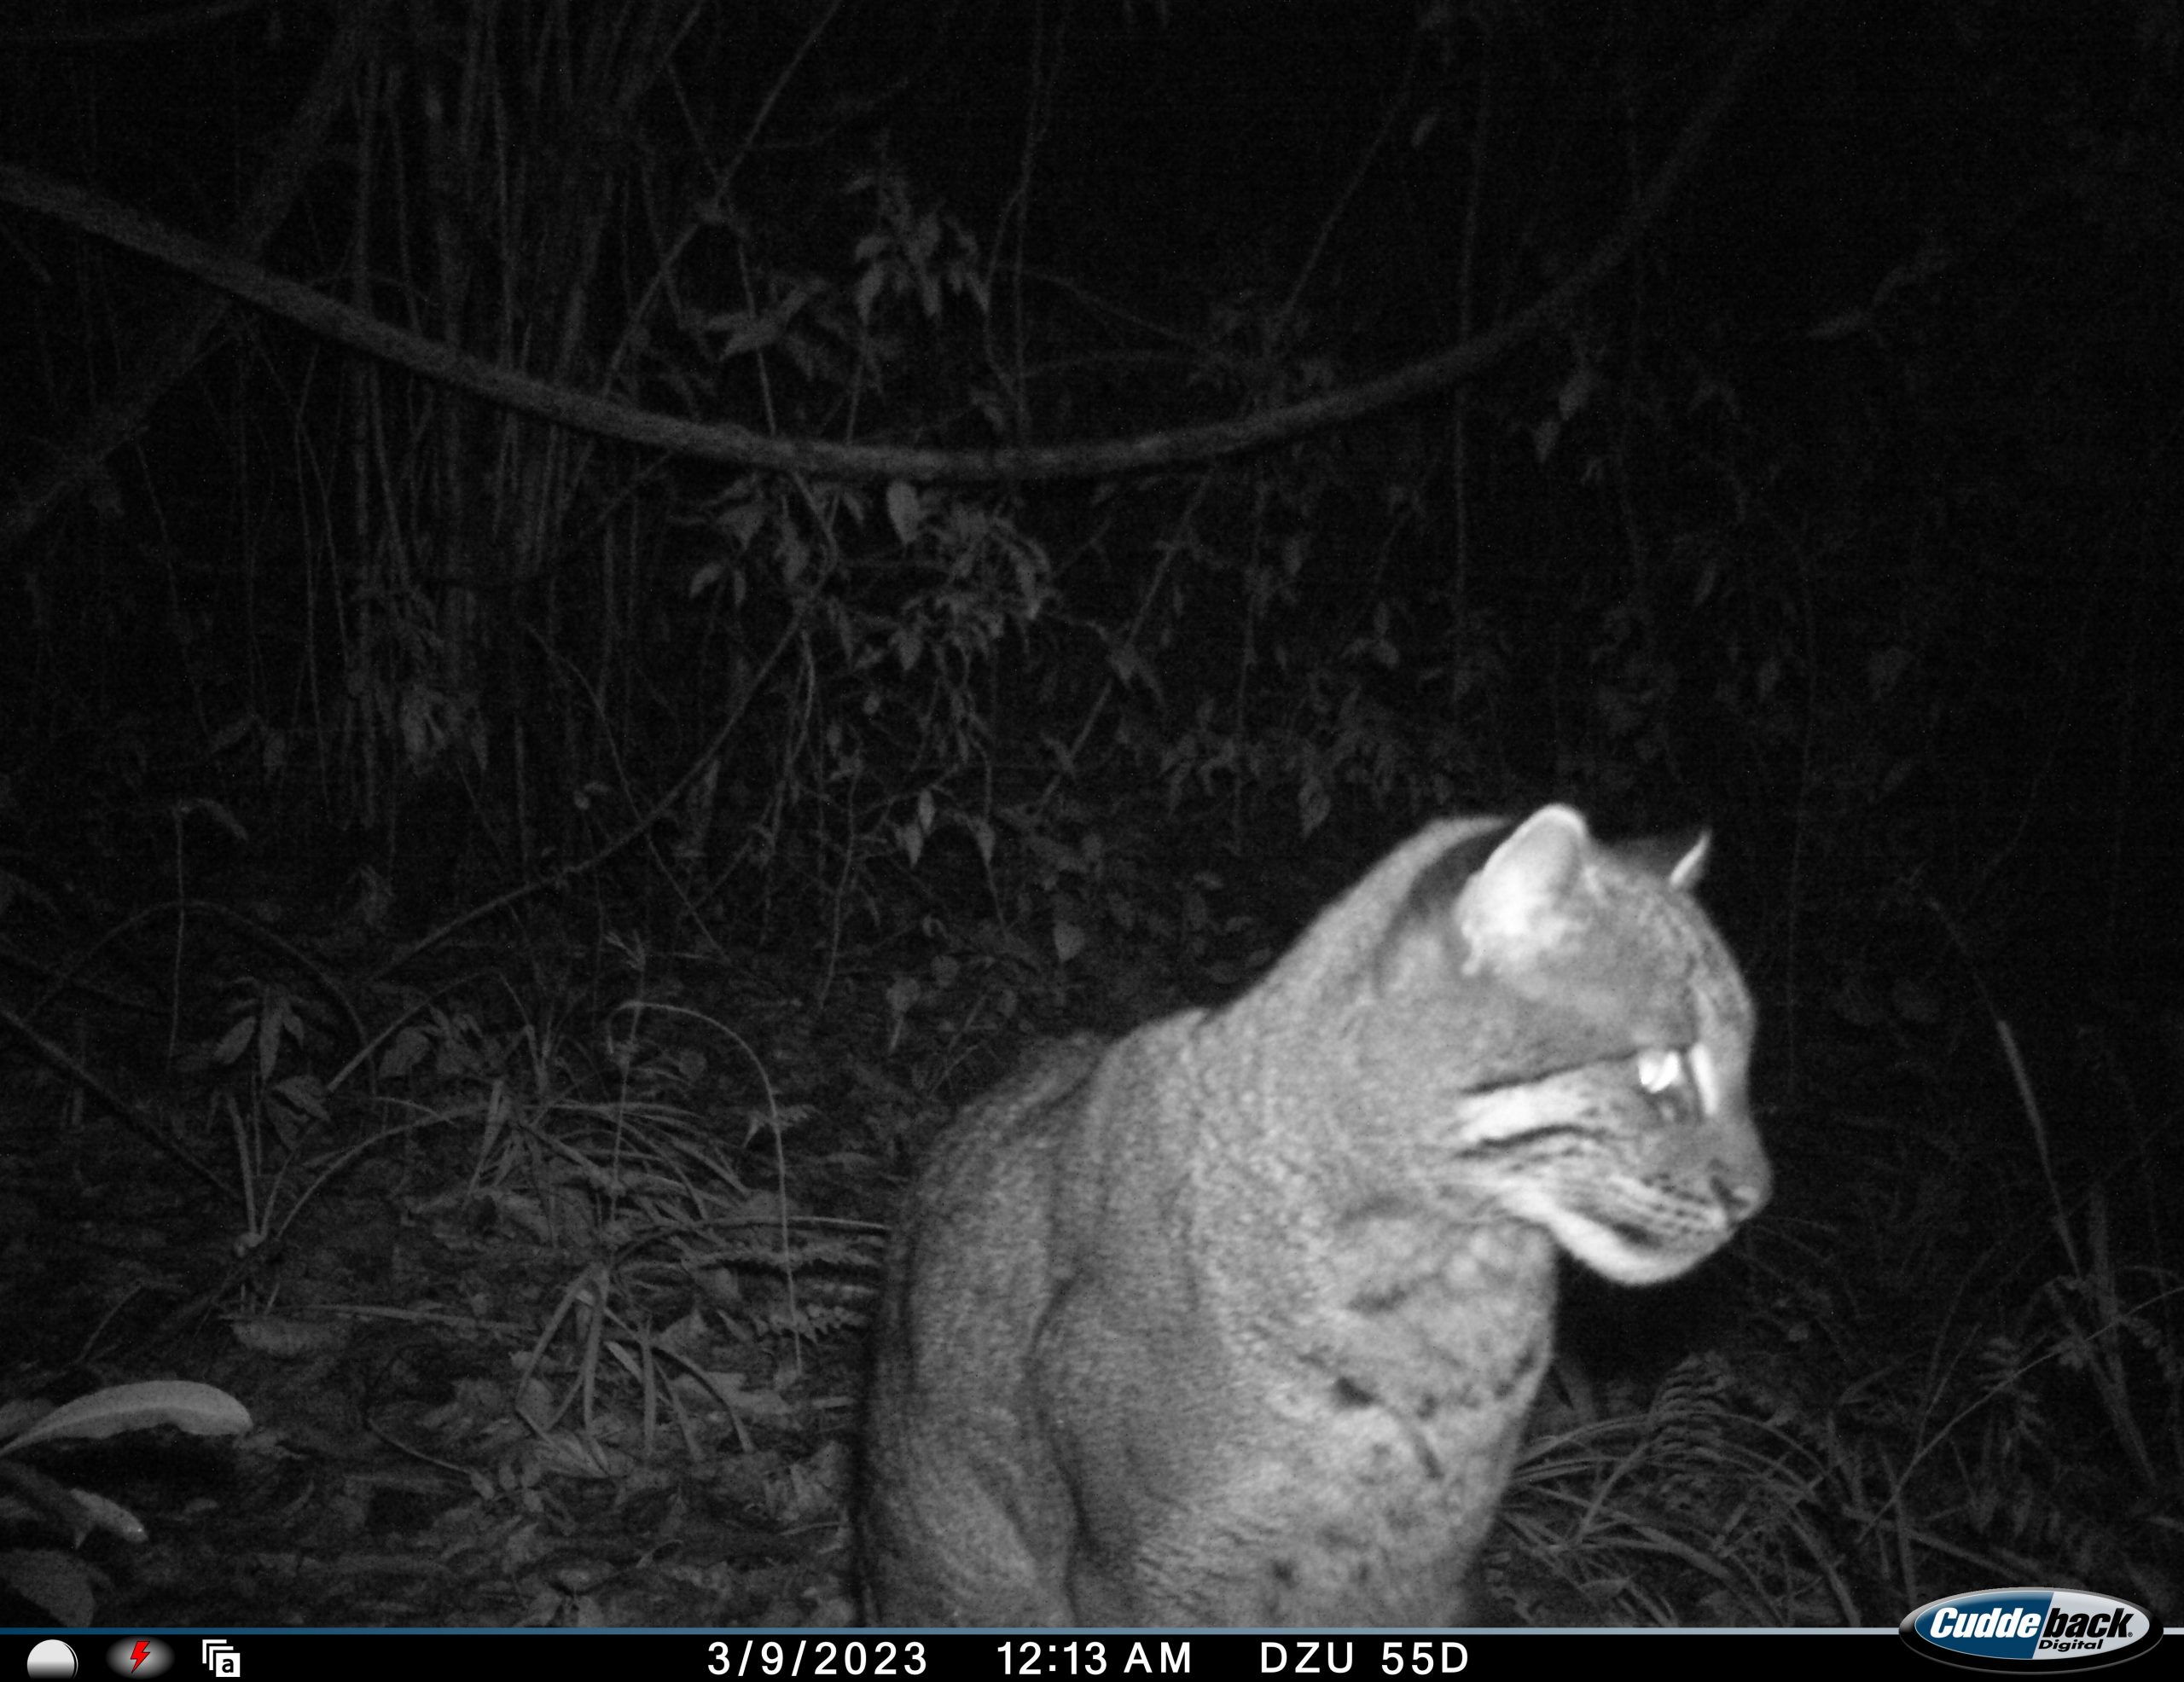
986, 1243
977, 1210
1005, 1196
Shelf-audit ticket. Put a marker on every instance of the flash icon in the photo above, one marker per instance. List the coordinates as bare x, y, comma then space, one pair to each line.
139, 1656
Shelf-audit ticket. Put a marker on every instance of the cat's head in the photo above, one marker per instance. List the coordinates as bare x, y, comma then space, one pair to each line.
1578, 1038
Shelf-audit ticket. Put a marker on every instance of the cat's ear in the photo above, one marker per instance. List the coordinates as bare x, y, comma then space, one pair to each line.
1684, 872
1515, 904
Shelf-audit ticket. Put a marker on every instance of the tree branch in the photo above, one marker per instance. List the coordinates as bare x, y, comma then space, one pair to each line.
818, 458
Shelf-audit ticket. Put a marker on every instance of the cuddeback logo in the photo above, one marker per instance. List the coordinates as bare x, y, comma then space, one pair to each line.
2030, 1629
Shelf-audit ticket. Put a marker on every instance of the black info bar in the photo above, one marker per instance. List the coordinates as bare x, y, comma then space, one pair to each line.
927, 1656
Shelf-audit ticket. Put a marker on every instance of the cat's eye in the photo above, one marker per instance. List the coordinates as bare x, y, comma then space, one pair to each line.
1661, 1070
